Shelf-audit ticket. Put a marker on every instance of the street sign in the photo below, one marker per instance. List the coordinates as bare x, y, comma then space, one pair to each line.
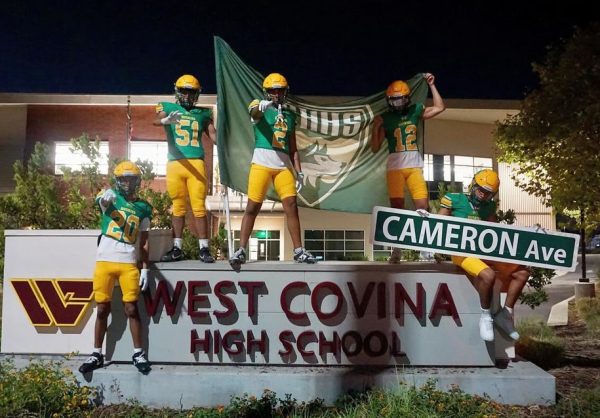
474, 238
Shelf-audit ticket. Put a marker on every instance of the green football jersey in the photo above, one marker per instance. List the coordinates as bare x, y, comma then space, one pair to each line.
122, 219
460, 206
272, 131
184, 138
401, 129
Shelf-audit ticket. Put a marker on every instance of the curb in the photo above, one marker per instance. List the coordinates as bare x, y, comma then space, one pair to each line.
559, 314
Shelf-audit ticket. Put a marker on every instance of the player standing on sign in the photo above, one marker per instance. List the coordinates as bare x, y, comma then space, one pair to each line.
184, 124
125, 218
399, 126
479, 204
276, 160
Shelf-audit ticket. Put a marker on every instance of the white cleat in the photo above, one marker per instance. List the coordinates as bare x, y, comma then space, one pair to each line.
486, 327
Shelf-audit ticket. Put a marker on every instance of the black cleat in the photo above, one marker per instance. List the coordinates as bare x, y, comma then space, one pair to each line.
205, 256
238, 258
93, 362
174, 254
140, 361
304, 257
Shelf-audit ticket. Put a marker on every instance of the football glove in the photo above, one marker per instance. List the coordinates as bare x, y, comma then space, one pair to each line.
299, 181
264, 104
423, 213
143, 279
171, 118
109, 196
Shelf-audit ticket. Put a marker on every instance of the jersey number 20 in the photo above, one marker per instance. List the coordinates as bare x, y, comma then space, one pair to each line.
123, 227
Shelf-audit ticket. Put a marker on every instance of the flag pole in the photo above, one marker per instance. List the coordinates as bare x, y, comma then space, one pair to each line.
228, 221
128, 139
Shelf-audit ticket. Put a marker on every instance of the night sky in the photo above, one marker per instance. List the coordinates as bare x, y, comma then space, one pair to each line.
476, 49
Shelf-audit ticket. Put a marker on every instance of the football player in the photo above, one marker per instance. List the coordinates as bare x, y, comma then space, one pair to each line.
125, 220
399, 126
184, 124
479, 204
275, 160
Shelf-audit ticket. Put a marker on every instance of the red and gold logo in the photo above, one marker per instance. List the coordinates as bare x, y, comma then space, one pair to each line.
54, 302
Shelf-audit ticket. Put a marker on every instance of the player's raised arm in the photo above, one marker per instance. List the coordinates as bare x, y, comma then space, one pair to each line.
438, 103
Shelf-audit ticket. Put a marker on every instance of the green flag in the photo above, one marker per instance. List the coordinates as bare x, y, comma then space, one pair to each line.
341, 173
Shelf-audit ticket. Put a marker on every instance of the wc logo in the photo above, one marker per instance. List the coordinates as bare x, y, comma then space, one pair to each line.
54, 302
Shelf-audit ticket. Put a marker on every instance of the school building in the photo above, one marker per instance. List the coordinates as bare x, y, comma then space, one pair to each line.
457, 143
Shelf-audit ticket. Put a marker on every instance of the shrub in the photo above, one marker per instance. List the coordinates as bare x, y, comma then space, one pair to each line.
268, 405
43, 389
410, 401
410, 255
539, 344
536, 295
583, 403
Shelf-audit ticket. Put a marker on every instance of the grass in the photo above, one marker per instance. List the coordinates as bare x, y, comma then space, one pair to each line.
585, 403
589, 310
539, 344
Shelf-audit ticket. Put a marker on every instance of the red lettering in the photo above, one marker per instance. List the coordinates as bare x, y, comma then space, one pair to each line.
381, 301
332, 346
204, 343
383, 344
261, 344
162, 294
233, 342
251, 288
396, 350
193, 298
316, 305
286, 338
311, 337
217, 342
361, 306
347, 344
285, 303
401, 297
226, 301
443, 304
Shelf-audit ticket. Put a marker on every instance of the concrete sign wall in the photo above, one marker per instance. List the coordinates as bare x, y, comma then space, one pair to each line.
270, 313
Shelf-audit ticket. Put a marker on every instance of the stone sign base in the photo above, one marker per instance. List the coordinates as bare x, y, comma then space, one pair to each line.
179, 386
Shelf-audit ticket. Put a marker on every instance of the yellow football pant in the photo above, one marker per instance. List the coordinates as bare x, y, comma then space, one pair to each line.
473, 266
107, 273
412, 177
260, 178
187, 177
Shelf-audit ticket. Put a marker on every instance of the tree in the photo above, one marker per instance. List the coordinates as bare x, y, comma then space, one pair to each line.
554, 141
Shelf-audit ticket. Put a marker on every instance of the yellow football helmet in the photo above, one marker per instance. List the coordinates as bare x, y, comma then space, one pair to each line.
128, 177
187, 90
398, 95
275, 88
488, 181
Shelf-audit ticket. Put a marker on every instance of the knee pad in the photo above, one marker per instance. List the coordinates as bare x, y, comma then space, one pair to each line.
179, 208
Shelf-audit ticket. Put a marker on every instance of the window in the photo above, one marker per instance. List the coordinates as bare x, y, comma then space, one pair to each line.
263, 245
437, 167
75, 160
335, 244
466, 167
153, 151
451, 169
